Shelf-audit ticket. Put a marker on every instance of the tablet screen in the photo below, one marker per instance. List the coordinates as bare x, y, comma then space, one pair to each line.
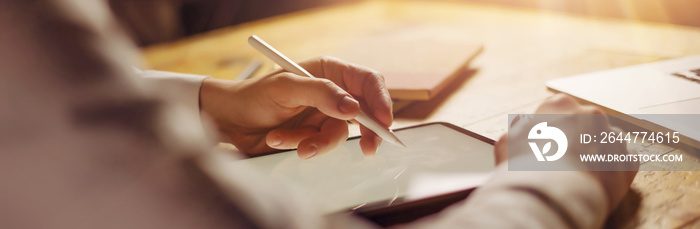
439, 159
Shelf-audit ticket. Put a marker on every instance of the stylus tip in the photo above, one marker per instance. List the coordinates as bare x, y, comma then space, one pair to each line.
398, 142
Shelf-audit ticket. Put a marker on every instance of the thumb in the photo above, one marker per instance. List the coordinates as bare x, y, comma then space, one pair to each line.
323, 94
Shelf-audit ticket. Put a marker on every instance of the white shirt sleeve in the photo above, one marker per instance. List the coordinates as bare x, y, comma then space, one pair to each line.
186, 86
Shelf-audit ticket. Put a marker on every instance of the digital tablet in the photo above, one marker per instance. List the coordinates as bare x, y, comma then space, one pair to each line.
441, 165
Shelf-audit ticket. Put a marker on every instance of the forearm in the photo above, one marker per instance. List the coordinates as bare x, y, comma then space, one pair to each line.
85, 143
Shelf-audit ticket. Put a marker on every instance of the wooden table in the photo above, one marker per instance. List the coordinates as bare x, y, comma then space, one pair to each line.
523, 49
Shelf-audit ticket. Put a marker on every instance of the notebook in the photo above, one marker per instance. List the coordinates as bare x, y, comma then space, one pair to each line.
416, 63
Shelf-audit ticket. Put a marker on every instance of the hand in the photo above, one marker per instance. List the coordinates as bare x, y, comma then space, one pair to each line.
286, 111
615, 183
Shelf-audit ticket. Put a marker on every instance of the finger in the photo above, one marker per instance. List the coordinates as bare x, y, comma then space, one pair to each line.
370, 142
333, 133
298, 129
501, 149
363, 83
292, 91
289, 138
558, 104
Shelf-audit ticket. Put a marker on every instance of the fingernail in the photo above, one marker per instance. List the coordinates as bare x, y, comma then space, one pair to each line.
313, 149
348, 105
275, 140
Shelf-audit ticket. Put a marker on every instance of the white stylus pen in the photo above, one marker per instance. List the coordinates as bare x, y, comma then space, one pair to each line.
289, 65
